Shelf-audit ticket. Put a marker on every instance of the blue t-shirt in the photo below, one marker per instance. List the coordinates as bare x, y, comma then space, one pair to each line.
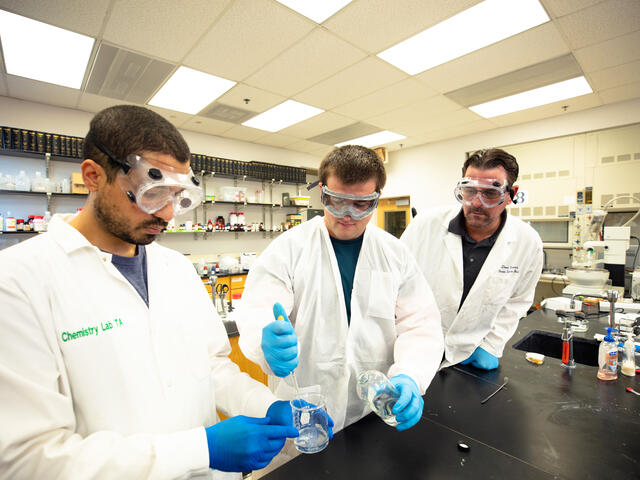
134, 269
347, 252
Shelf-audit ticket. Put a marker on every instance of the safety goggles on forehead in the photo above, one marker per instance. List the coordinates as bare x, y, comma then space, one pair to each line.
491, 192
342, 204
153, 188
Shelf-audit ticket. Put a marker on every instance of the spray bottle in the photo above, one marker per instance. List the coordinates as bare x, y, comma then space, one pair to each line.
608, 357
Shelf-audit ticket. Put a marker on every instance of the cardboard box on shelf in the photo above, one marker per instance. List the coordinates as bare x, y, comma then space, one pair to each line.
77, 184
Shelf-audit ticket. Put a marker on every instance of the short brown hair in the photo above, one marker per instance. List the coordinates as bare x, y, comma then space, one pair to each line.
353, 164
492, 158
127, 129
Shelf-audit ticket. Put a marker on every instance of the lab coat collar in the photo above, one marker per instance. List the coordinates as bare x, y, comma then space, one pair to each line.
67, 236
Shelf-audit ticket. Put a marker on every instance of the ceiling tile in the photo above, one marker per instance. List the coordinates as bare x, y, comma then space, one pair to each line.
321, 152
415, 114
240, 132
176, 118
307, 147
461, 130
80, 16
351, 83
94, 103
545, 111
164, 28
615, 76
618, 94
243, 39
386, 99
206, 125
527, 48
317, 56
375, 25
558, 8
259, 100
600, 22
429, 124
316, 125
41, 92
607, 54
278, 140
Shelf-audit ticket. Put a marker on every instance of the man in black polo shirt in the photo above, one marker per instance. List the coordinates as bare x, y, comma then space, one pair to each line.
481, 263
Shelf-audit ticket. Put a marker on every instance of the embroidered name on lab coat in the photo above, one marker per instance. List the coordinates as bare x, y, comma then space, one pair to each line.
91, 330
511, 269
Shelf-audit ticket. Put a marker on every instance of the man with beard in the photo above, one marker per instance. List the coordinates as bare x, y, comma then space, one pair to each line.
482, 264
112, 359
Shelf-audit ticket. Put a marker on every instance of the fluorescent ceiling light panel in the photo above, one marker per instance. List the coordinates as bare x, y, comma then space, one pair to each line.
43, 52
472, 29
189, 91
374, 140
534, 98
316, 10
282, 116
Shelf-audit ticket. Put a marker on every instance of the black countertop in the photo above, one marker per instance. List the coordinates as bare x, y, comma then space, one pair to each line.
548, 422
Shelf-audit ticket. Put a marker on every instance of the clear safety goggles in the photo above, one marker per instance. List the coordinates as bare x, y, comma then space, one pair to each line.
490, 191
342, 204
153, 188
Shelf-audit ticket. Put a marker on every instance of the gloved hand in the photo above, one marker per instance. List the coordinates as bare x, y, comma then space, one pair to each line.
280, 413
480, 358
242, 444
301, 403
280, 344
408, 408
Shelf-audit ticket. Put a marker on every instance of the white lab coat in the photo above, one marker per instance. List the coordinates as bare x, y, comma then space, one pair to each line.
501, 294
395, 326
128, 402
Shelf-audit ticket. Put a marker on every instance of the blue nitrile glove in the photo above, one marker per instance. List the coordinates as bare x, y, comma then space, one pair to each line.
408, 408
242, 444
280, 344
280, 413
480, 358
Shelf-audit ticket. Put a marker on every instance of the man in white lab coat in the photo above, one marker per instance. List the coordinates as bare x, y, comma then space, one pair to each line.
112, 359
355, 298
482, 264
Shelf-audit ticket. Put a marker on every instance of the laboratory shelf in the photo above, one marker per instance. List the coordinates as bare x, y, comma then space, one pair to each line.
254, 204
19, 233
247, 178
55, 194
38, 155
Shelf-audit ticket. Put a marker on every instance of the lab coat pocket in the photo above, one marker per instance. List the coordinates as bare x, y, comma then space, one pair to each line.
382, 292
499, 288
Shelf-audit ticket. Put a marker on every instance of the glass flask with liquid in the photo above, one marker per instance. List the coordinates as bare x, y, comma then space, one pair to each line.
380, 395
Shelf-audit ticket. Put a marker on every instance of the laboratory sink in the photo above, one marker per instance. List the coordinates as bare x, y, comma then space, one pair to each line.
585, 351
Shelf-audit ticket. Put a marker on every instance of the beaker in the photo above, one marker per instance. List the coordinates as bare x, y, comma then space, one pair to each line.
311, 420
379, 393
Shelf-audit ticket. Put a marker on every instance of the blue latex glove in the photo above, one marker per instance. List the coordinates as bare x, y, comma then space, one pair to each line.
480, 358
408, 408
242, 444
301, 403
280, 414
280, 344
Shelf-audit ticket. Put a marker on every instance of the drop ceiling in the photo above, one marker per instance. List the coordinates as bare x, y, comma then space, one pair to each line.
276, 54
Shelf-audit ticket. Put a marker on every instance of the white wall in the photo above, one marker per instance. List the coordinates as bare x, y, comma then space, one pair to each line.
428, 173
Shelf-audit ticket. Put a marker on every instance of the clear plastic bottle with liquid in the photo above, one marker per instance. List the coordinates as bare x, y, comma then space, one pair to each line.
378, 392
608, 357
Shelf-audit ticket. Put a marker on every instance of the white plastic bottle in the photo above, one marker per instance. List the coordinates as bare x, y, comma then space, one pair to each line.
379, 393
608, 357
46, 220
22, 182
628, 364
38, 183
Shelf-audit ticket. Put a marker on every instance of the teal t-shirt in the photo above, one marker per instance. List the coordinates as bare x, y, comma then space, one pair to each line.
347, 252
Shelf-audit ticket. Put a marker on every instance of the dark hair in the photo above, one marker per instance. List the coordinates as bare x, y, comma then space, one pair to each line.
353, 164
127, 129
491, 158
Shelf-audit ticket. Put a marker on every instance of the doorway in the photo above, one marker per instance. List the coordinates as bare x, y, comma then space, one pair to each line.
394, 214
